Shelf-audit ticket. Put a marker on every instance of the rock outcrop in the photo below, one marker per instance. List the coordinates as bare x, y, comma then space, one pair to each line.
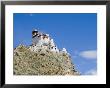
41, 62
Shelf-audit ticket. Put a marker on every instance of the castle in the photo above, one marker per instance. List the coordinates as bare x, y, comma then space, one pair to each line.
42, 57
41, 40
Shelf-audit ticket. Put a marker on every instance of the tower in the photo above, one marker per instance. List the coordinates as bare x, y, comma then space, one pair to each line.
36, 36
34, 33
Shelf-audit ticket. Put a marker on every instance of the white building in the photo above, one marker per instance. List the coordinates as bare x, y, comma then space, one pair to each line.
41, 40
64, 50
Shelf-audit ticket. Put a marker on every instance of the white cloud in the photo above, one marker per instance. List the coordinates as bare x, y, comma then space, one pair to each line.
91, 72
90, 54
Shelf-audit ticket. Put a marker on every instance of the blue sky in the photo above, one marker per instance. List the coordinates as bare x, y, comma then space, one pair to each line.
77, 32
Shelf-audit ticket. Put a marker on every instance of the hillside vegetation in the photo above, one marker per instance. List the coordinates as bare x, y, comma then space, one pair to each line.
42, 62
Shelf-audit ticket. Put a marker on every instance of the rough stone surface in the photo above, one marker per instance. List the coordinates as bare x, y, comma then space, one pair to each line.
43, 62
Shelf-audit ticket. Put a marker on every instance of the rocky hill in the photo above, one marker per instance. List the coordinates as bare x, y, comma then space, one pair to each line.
41, 62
